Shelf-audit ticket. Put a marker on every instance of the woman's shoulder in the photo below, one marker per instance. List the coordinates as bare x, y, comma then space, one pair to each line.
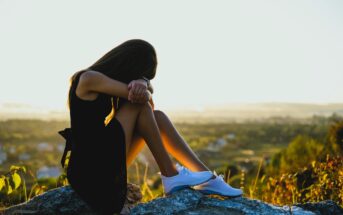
89, 75
84, 80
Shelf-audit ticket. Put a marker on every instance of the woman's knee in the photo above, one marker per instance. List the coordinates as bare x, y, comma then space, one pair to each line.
146, 107
159, 114
135, 106
138, 107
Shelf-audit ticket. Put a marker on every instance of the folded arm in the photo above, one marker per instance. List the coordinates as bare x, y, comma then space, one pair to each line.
91, 83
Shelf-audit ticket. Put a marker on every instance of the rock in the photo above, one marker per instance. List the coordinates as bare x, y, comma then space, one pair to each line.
64, 200
191, 202
327, 207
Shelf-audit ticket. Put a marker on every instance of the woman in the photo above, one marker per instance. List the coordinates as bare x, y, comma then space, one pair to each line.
112, 115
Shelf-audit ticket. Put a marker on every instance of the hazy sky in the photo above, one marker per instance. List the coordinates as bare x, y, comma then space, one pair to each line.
209, 52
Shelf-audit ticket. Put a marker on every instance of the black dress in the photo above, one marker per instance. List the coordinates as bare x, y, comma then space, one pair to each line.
97, 164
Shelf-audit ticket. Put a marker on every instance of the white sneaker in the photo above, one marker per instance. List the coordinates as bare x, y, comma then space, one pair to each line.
185, 178
219, 187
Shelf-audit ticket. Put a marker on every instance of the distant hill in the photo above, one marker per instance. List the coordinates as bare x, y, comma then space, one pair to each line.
256, 111
208, 113
25, 111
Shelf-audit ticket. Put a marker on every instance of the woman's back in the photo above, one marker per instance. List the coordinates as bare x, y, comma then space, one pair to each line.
86, 116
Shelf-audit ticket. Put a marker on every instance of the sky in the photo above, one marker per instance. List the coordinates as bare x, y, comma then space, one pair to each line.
209, 52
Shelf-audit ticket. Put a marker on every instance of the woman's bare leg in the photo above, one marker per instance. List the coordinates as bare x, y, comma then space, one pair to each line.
142, 116
176, 145
172, 141
136, 146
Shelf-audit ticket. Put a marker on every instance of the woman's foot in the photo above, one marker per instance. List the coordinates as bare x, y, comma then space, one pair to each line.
185, 178
219, 187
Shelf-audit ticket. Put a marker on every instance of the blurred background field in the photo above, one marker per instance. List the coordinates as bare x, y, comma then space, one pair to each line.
278, 159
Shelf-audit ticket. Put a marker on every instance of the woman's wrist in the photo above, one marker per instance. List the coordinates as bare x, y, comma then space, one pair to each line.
147, 80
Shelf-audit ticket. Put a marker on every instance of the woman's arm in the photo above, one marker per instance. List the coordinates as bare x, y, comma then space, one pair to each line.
91, 83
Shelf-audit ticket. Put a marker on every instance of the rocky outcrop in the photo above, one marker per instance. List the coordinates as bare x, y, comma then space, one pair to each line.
191, 202
64, 200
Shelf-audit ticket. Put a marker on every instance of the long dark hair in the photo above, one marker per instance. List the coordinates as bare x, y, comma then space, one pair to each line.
128, 61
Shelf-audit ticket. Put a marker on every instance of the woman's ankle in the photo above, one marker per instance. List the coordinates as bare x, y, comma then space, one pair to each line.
169, 171
170, 174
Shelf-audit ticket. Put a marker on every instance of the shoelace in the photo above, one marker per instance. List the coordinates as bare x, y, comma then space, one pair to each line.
181, 169
221, 176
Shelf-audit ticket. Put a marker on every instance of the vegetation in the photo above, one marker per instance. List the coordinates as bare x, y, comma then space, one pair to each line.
14, 188
316, 182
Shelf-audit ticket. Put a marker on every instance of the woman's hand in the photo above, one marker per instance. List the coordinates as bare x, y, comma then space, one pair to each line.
137, 89
142, 98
